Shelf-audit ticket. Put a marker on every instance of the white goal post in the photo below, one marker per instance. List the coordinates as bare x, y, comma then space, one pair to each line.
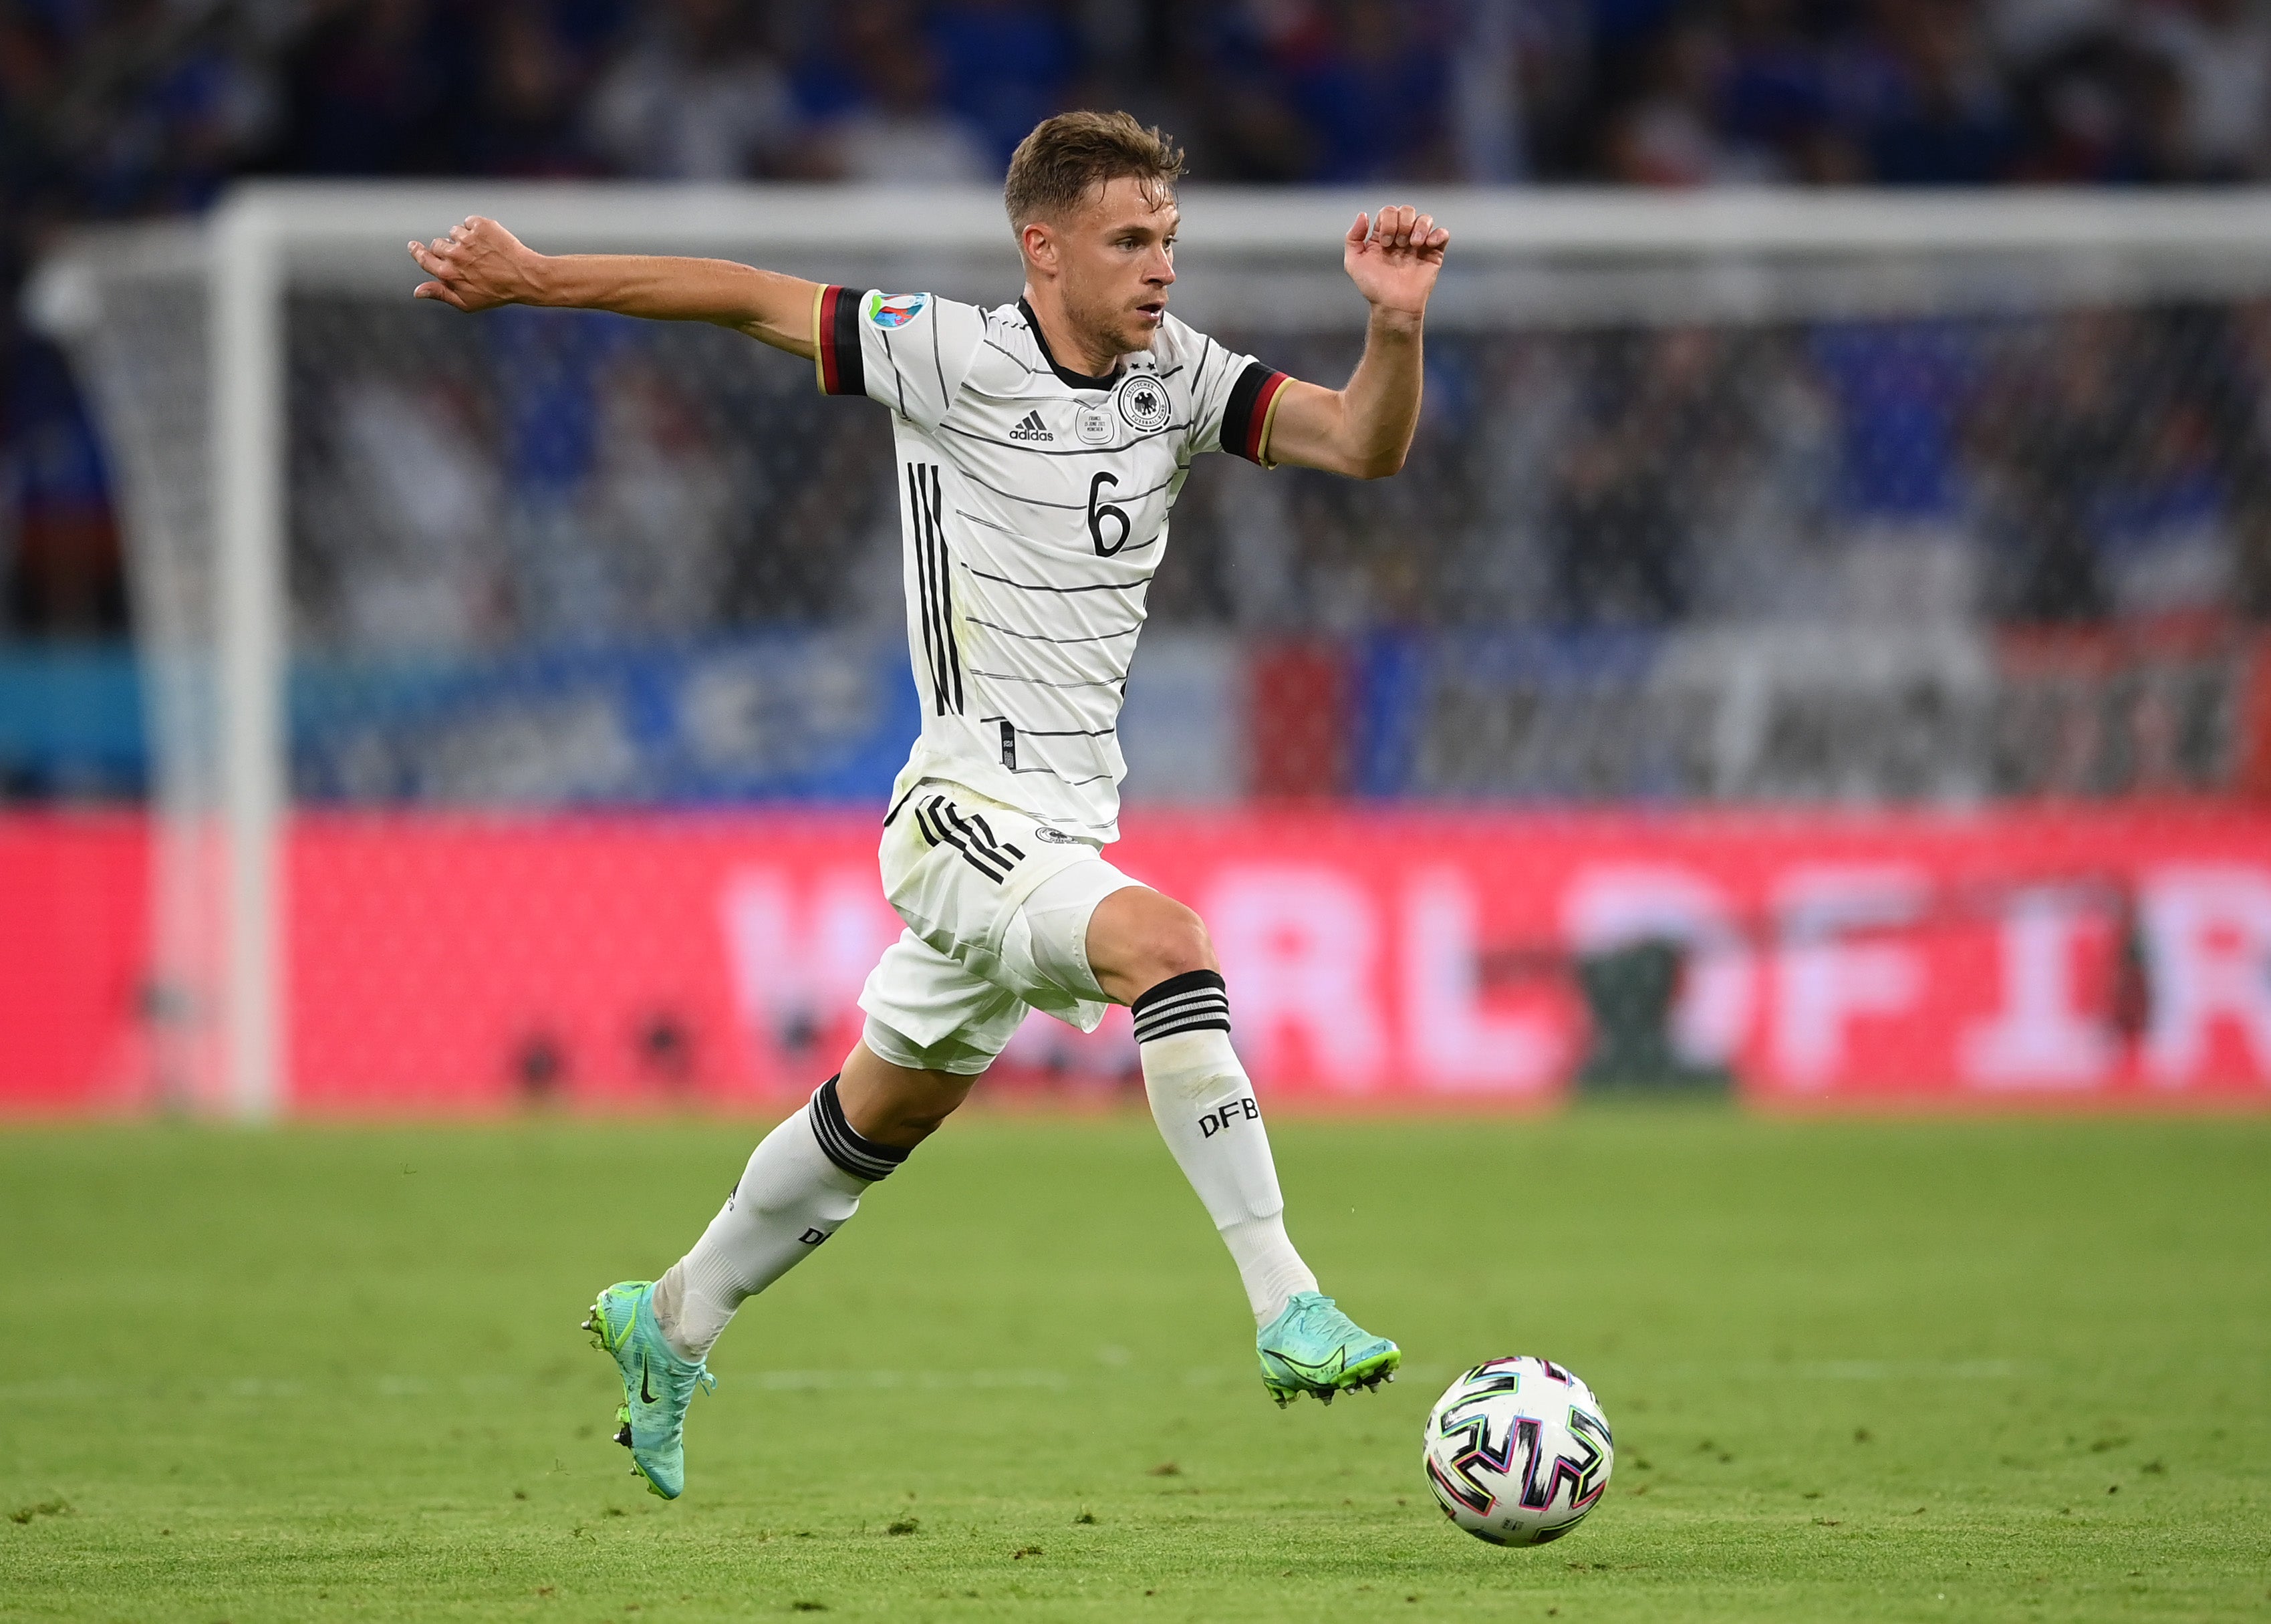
180, 333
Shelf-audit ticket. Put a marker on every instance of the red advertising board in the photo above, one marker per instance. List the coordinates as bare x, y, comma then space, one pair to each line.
74, 939
2037, 955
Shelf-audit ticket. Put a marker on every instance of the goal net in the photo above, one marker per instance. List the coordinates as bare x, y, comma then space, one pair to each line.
1723, 498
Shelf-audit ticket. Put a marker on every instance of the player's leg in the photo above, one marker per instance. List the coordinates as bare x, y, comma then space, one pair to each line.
802, 1183
1151, 953
806, 1178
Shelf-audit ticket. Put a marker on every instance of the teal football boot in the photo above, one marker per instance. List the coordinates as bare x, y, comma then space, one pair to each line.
657, 1385
1313, 1347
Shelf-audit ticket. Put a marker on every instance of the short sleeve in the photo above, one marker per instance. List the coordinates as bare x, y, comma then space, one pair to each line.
908, 351
1233, 398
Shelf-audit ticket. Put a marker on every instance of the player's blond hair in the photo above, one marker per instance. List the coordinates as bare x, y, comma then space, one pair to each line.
1068, 157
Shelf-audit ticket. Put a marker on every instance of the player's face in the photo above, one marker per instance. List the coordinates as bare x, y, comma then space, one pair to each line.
1117, 260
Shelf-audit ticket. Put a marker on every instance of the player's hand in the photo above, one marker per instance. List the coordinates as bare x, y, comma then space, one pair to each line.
1392, 258
479, 266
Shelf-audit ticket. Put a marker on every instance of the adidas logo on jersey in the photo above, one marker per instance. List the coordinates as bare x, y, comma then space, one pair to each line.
1029, 427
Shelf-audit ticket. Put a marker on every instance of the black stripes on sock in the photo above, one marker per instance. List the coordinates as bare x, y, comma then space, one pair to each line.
1195, 1000
858, 1155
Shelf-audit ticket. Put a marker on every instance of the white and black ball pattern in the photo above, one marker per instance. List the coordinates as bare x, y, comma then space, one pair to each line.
1518, 1451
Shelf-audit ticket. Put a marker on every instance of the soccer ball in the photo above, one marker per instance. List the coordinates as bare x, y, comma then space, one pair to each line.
1517, 1451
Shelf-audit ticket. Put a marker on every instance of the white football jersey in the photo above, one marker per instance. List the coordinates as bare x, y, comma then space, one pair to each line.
1034, 502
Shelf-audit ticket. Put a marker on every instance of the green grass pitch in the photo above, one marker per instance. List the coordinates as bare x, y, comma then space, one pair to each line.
1884, 1370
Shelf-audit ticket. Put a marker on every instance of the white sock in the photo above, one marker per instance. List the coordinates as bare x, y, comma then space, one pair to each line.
1206, 1112
802, 1181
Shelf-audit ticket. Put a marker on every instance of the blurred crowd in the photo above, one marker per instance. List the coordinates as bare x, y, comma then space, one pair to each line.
2053, 470
546, 483
117, 108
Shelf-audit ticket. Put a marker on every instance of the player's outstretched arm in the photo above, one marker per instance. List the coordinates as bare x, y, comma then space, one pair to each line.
480, 265
1364, 429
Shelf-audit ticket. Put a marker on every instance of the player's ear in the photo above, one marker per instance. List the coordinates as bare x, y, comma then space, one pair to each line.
1039, 244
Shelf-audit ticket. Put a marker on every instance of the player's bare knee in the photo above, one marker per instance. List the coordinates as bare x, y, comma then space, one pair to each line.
1175, 942
918, 1118
893, 1102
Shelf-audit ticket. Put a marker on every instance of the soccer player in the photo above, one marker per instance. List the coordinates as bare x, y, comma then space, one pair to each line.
1039, 447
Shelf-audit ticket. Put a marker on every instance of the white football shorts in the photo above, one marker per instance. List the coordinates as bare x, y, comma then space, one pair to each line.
996, 905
